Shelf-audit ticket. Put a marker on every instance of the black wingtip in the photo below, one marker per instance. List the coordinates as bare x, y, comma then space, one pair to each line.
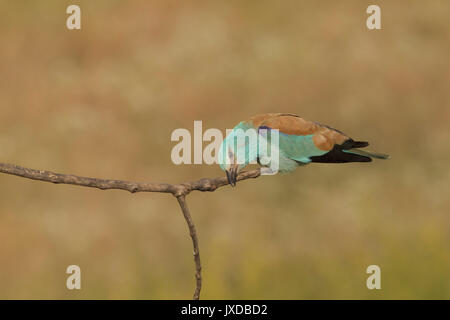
351, 144
359, 144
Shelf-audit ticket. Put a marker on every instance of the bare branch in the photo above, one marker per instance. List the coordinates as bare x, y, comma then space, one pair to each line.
179, 190
193, 233
105, 184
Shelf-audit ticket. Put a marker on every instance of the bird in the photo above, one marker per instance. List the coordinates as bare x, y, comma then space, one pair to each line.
292, 141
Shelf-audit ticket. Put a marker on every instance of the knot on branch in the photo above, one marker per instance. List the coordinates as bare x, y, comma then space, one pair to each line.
206, 185
181, 190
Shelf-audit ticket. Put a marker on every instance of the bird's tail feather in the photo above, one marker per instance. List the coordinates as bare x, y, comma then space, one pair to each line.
368, 154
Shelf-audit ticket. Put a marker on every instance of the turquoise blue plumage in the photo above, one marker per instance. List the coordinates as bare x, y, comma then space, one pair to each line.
281, 142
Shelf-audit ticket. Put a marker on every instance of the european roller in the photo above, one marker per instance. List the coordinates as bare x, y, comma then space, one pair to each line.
280, 142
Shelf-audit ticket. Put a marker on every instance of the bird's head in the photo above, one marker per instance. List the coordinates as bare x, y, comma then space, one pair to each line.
238, 149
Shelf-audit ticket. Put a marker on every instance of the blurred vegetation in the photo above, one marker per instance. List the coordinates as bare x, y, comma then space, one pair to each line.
103, 102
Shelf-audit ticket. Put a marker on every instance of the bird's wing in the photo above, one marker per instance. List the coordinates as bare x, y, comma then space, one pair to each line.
307, 141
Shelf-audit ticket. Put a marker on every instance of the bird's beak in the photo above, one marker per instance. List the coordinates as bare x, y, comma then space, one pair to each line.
232, 175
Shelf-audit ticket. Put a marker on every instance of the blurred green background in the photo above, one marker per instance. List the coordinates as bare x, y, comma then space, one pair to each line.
104, 101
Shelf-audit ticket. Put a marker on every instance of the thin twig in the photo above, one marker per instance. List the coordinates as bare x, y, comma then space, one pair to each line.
180, 191
193, 233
